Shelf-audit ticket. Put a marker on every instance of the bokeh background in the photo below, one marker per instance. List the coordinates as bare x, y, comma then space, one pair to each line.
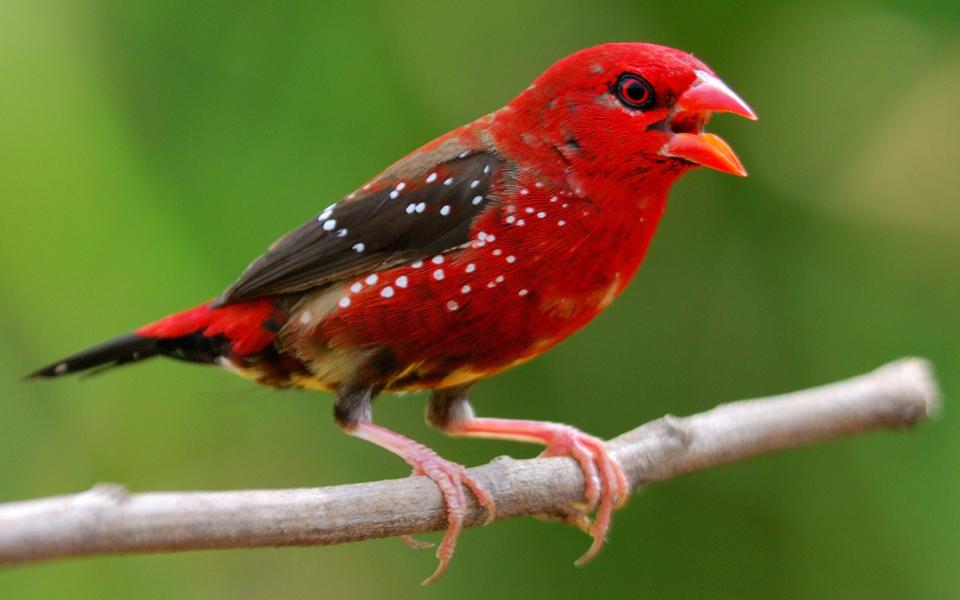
148, 150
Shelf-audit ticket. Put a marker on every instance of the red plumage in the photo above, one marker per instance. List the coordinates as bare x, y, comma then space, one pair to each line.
248, 327
478, 251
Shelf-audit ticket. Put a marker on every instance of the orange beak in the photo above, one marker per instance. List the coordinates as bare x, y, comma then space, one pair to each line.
707, 95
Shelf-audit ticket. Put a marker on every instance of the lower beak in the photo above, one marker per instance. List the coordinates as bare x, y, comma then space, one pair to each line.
707, 95
706, 150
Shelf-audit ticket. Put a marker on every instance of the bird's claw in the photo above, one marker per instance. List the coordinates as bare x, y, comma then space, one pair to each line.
416, 544
450, 478
605, 485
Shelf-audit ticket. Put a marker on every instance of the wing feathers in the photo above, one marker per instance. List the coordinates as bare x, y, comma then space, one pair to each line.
387, 222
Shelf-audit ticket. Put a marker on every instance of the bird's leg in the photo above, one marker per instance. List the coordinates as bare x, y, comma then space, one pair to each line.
605, 485
354, 414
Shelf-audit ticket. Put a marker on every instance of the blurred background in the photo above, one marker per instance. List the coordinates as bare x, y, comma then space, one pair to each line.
149, 150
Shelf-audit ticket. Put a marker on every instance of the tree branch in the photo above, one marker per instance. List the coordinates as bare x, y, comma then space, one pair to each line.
108, 520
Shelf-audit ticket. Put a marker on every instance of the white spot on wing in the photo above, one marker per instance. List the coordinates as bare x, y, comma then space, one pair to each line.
431, 177
371, 279
452, 305
359, 247
445, 210
344, 302
402, 281
329, 225
387, 292
438, 274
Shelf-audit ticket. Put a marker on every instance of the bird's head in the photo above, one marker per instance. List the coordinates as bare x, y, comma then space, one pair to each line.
625, 110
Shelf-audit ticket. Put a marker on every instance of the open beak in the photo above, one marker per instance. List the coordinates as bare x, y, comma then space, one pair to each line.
693, 109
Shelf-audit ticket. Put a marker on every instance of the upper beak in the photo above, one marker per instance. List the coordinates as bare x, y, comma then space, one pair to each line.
707, 95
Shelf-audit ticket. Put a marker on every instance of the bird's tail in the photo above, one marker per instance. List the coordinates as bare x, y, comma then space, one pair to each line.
201, 334
118, 351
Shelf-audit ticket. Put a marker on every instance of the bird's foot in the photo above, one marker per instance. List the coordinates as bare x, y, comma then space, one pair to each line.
450, 478
605, 485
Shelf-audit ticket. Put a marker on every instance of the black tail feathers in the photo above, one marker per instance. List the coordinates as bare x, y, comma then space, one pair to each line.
118, 351
133, 348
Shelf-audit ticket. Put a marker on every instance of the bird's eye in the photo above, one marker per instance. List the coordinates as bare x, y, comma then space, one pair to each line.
634, 92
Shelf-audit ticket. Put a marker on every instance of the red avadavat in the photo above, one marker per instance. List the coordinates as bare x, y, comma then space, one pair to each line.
475, 253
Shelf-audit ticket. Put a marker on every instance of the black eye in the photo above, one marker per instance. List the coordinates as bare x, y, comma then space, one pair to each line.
634, 92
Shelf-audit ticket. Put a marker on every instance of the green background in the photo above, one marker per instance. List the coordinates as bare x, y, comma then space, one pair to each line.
148, 150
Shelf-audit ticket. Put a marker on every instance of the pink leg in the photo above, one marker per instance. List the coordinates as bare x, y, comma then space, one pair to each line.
449, 477
605, 485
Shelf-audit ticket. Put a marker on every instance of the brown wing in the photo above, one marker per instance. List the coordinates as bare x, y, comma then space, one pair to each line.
393, 220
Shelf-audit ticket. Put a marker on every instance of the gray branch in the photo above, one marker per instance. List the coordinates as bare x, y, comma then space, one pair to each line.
108, 520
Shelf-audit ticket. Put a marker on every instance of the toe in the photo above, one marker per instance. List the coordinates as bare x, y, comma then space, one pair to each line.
415, 543
608, 491
591, 552
455, 504
591, 475
483, 497
450, 479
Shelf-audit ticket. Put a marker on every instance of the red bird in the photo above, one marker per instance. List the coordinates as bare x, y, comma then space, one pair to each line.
475, 253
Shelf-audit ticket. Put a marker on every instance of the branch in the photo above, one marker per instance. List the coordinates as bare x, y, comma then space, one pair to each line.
108, 520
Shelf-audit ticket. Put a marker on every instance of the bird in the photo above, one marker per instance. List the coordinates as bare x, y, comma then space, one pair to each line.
477, 252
